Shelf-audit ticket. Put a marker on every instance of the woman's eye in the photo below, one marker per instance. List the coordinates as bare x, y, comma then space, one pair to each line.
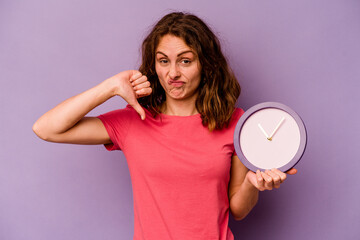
185, 61
163, 61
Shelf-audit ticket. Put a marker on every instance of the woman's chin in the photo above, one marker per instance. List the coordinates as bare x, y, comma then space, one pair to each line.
175, 94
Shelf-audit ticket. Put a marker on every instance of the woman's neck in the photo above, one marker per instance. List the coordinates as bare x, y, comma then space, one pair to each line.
183, 107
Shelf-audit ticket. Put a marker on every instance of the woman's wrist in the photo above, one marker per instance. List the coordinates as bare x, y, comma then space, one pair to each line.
248, 184
111, 87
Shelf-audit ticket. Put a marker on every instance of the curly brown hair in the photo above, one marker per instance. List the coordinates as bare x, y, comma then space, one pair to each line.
218, 89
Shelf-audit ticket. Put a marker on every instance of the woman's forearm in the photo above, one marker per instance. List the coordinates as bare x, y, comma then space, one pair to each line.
243, 200
66, 114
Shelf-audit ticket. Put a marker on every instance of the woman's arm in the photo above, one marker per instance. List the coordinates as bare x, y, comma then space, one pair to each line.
66, 123
243, 195
245, 185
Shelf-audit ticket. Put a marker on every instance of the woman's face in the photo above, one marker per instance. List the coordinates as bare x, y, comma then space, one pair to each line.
178, 68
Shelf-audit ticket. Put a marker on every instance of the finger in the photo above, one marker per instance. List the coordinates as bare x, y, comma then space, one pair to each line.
135, 76
268, 181
292, 171
139, 109
139, 80
142, 85
276, 178
260, 180
143, 92
280, 173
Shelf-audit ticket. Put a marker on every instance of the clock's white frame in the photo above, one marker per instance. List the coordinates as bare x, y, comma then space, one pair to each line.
303, 135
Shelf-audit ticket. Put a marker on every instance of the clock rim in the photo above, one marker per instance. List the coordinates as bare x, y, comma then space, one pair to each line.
256, 108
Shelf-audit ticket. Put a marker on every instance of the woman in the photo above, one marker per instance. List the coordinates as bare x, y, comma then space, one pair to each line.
185, 173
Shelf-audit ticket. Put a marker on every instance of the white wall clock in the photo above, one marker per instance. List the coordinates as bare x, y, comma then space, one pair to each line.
270, 135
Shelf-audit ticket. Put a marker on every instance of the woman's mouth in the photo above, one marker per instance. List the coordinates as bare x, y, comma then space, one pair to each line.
176, 83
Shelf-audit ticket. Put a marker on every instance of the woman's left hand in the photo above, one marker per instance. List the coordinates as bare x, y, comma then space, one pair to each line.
269, 179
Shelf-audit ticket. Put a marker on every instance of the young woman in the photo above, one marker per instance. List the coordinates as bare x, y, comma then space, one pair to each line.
176, 134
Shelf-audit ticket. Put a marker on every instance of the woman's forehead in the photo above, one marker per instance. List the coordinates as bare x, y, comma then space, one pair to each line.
172, 45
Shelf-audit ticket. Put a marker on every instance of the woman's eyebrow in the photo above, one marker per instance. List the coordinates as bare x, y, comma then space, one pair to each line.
158, 52
187, 51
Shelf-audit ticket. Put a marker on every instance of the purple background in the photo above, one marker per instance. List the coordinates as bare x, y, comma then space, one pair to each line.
305, 54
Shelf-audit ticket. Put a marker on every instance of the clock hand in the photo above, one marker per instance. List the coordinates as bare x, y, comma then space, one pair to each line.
272, 134
263, 131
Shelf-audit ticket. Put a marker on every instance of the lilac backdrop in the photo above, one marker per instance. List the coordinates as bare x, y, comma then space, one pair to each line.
305, 54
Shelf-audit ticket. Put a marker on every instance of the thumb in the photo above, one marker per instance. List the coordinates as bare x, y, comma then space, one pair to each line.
138, 109
292, 171
251, 177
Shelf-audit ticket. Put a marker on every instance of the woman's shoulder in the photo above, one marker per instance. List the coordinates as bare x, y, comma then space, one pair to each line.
127, 111
238, 112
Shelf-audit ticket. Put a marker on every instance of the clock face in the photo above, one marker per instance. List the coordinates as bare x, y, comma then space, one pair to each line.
270, 135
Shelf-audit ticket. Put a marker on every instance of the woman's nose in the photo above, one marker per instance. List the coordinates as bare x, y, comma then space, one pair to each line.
174, 72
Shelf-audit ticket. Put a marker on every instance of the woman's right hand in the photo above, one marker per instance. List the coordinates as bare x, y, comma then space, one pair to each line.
66, 123
131, 85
